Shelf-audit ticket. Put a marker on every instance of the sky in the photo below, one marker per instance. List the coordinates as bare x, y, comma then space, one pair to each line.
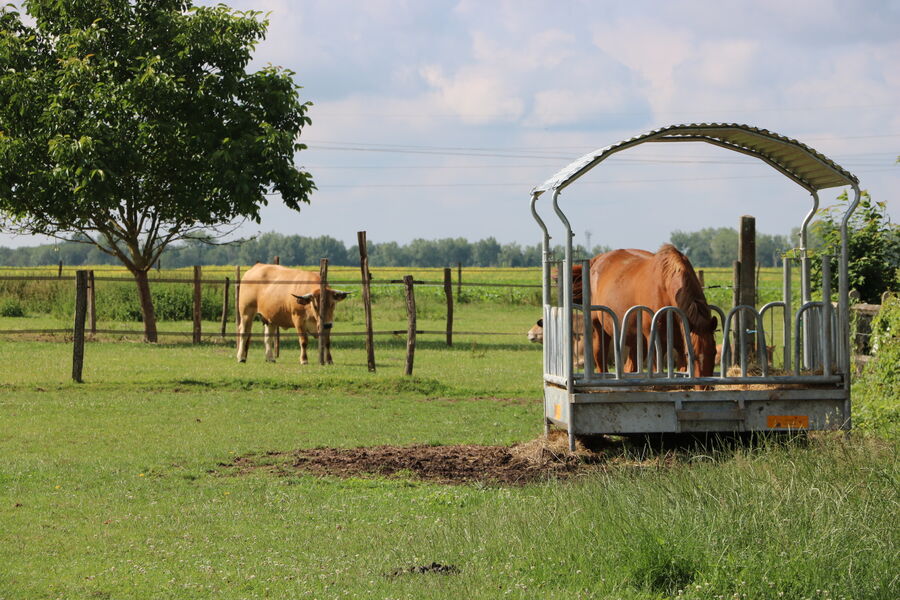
435, 119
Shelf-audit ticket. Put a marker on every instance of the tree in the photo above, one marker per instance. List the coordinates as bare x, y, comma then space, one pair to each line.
873, 244
136, 124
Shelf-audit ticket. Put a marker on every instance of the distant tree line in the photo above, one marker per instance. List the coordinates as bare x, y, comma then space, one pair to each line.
706, 248
300, 250
718, 247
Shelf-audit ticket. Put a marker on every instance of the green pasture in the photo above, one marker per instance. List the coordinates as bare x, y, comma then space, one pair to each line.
120, 487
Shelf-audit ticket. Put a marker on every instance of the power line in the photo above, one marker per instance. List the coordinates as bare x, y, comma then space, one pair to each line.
529, 185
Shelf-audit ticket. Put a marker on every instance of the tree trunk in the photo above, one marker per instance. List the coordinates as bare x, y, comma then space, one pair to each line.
147, 311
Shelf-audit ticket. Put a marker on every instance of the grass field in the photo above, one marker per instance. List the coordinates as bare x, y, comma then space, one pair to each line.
119, 487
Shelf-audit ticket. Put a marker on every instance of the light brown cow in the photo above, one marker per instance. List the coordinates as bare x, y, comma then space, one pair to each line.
285, 298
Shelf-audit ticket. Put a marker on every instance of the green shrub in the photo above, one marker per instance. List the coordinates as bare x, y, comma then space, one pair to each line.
11, 307
877, 392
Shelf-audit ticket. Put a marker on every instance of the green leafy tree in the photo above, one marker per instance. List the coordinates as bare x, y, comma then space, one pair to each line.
873, 243
134, 124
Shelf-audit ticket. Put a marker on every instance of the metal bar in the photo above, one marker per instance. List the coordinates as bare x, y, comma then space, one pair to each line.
670, 344
587, 316
693, 381
826, 315
786, 271
565, 276
844, 293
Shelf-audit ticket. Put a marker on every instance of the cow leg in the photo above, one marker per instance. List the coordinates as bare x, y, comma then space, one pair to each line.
268, 328
326, 339
243, 338
304, 339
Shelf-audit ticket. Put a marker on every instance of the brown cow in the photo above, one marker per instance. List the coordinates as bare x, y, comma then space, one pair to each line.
285, 298
536, 336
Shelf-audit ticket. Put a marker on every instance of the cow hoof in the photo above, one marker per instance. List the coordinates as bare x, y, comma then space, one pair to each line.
271, 360
242, 360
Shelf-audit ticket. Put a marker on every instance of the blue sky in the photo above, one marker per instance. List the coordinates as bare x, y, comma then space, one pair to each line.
435, 119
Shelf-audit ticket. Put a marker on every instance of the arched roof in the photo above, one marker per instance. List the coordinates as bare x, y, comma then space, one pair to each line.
795, 160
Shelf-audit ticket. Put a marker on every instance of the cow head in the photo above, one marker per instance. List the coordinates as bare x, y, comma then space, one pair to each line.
323, 312
536, 333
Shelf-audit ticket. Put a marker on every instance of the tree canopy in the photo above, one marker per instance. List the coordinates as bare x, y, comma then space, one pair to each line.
873, 245
137, 124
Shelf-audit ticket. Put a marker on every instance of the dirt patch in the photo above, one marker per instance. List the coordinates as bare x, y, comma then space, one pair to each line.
537, 460
432, 568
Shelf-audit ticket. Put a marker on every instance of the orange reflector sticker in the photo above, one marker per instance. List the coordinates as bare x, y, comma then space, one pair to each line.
788, 421
557, 412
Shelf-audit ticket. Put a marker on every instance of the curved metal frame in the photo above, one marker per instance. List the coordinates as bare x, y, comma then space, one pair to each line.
815, 163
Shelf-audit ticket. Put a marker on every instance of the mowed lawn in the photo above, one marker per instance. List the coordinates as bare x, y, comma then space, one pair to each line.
118, 487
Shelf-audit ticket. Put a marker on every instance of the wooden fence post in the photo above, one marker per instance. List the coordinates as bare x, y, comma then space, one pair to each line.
459, 280
277, 349
197, 314
448, 292
366, 298
747, 261
701, 277
225, 295
411, 328
59, 274
92, 304
78, 335
237, 299
322, 332
747, 258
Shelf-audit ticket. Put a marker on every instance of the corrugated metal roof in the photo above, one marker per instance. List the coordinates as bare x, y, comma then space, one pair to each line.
799, 162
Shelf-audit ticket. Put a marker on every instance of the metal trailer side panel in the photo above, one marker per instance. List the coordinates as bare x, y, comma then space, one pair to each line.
679, 412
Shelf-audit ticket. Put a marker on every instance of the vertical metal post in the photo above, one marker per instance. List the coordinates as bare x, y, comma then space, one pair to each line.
588, 330
670, 344
788, 311
826, 315
844, 297
545, 276
565, 277
809, 320
78, 334
197, 300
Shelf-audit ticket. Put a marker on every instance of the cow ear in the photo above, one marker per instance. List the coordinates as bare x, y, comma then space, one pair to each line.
338, 295
303, 300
